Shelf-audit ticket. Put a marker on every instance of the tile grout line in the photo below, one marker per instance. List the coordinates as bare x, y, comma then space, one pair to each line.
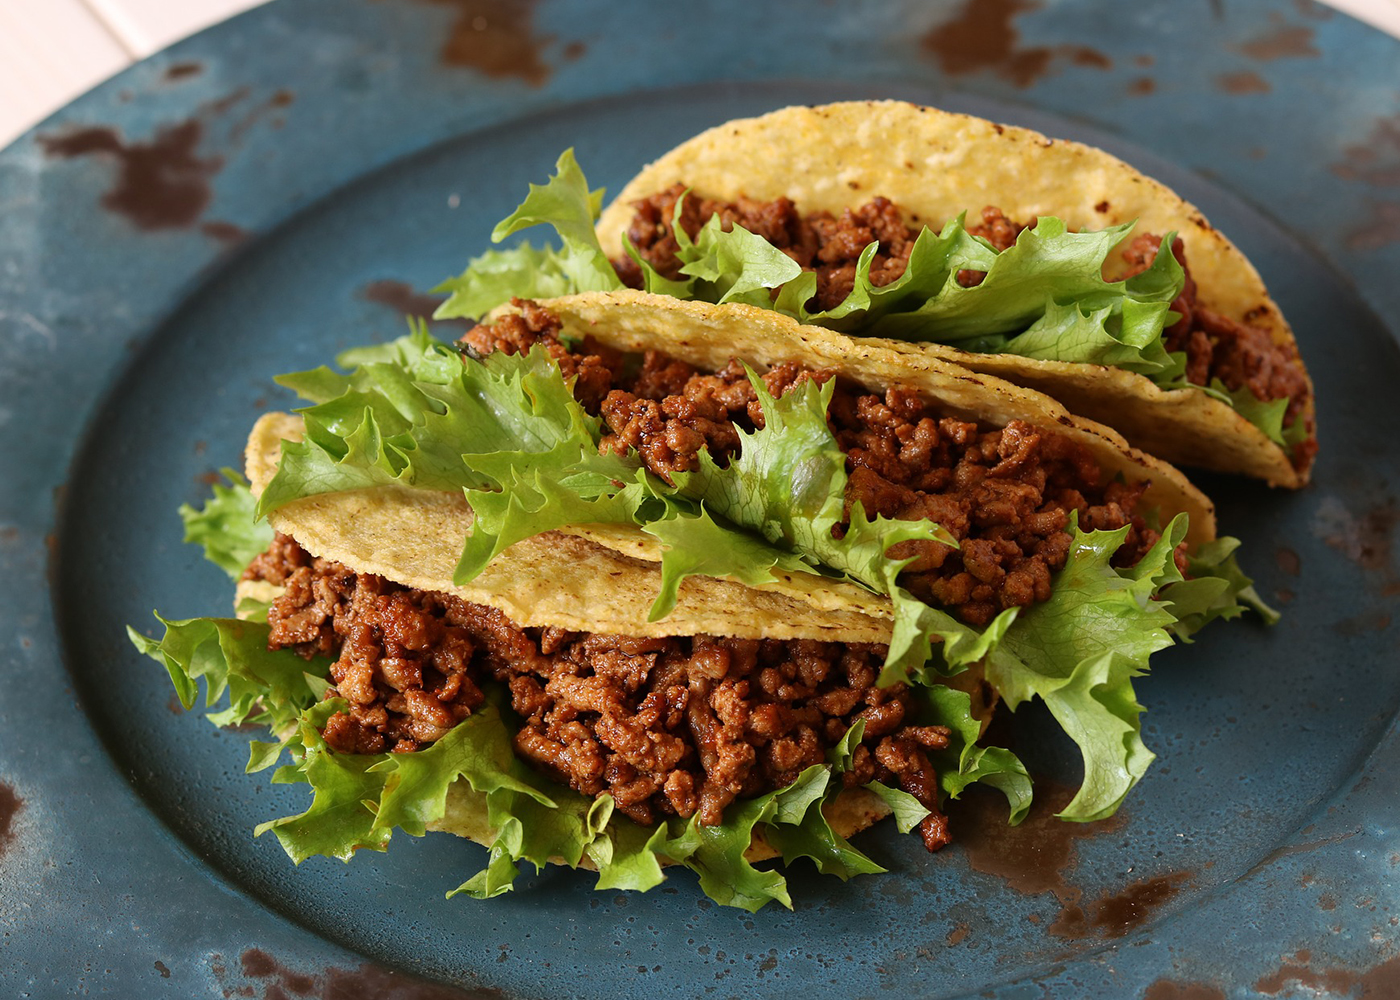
112, 25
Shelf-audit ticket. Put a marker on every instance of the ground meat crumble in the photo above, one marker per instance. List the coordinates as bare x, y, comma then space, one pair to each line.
1216, 347
667, 727
1004, 493
682, 726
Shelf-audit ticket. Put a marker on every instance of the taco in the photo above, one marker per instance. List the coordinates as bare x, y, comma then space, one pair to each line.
595, 585
1042, 267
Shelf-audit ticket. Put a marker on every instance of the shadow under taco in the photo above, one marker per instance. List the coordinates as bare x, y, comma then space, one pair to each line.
620, 581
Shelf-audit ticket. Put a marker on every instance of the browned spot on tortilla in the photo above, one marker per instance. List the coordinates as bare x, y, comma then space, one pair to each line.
574, 50
1364, 539
1246, 82
224, 232
1285, 596
981, 36
1376, 160
1167, 989
1142, 86
174, 707
1283, 42
1327, 901
1145, 60
183, 70
10, 806
161, 184
496, 38
1379, 983
1288, 560
9, 534
210, 478
402, 297
200, 447
1381, 228
957, 934
163, 970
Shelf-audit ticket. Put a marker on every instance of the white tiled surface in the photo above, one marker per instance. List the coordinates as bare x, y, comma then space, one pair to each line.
53, 50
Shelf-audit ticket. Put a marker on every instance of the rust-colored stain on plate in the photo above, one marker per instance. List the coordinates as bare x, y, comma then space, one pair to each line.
1377, 621
160, 184
1033, 857
1246, 82
224, 232
1365, 538
1381, 228
983, 36
1375, 160
497, 39
402, 297
10, 806
165, 182
183, 70
1282, 42
1168, 989
1381, 982
1121, 912
1038, 855
261, 971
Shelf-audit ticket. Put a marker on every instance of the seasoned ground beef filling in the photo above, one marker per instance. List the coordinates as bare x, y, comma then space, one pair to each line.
819, 241
1005, 493
1236, 353
667, 727
1216, 347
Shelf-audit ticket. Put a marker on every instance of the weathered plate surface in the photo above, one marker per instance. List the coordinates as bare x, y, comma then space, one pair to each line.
244, 204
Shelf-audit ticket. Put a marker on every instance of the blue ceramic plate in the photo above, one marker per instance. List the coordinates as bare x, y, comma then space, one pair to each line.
282, 186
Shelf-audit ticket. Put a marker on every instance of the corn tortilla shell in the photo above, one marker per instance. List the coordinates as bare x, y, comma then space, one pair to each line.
935, 165
707, 336
414, 538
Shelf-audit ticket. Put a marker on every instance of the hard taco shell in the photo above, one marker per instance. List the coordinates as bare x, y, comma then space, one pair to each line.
936, 165
414, 537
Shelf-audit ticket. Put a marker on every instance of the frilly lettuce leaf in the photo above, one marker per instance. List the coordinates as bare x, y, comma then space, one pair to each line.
1218, 588
498, 275
732, 265
263, 687
1044, 297
359, 800
1267, 415
780, 505
227, 527
567, 204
